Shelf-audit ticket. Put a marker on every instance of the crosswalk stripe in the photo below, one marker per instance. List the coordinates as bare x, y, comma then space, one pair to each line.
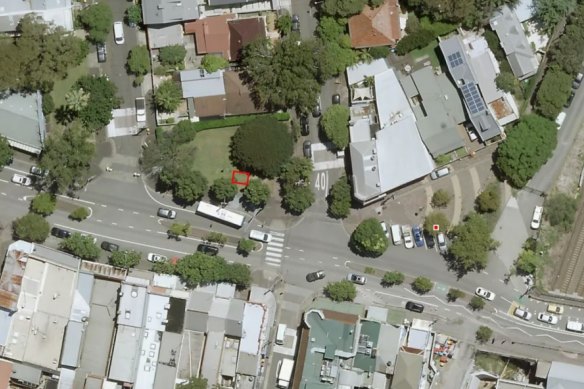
274, 260
276, 249
274, 256
273, 264
275, 244
274, 233
278, 240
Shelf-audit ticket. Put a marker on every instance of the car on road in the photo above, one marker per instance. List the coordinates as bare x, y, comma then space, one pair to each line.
39, 172
101, 52
578, 81
414, 307
260, 235
547, 318
315, 276
560, 119
554, 308
336, 98
21, 180
60, 233
436, 174
140, 104
167, 213
384, 228
357, 278
119, 33
295, 23
570, 99
418, 240
536, 219
304, 127
429, 238
407, 235
522, 313
316, 111
152, 257
208, 249
307, 149
442, 245
108, 246
484, 293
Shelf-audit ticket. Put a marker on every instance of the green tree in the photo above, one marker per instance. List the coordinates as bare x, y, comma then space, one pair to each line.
335, 124
188, 185
368, 239
454, 294
560, 210
81, 246
183, 132
392, 278
67, 157
436, 217
483, 334
194, 383
256, 193
134, 14
167, 96
200, 269
125, 259
343, 290
79, 214
379, 51
139, 60
173, 56
471, 243
490, 199
296, 171
48, 104
415, 40
298, 199
529, 144
97, 19
262, 146
441, 198
179, 229
549, 13
422, 285
76, 99
102, 101
334, 51
43, 204
165, 267
216, 237
223, 190
528, 262
476, 303
507, 82
6, 153
212, 63
340, 199
284, 24
342, 8
238, 274
553, 92
245, 246
566, 52
31, 227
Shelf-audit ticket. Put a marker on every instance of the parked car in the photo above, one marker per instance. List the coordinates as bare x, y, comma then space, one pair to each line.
307, 149
429, 238
442, 245
60, 233
140, 103
315, 276
357, 278
101, 52
108, 246
295, 23
407, 235
522, 313
570, 99
384, 228
336, 98
415, 307
418, 240
167, 213
119, 33
304, 127
316, 112
547, 318
578, 81
156, 257
436, 174
484, 293
261, 236
208, 249
554, 308
21, 180
536, 219
37, 171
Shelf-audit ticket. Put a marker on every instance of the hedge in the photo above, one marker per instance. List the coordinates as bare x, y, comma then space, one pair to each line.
233, 121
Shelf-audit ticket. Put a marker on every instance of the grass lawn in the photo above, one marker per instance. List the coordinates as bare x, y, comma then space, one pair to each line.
428, 51
212, 153
62, 86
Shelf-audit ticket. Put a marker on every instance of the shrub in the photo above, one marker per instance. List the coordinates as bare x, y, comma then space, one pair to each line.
483, 334
216, 237
441, 198
422, 285
490, 199
245, 246
341, 291
415, 40
454, 294
392, 278
79, 214
560, 210
476, 303
43, 204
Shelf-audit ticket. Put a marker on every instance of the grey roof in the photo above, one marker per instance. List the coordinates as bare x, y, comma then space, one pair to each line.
23, 122
438, 110
524, 10
215, 3
57, 12
358, 72
126, 354
212, 357
196, 321
131, 305
169, 11
390, 339
248, 364
82, 299
199, 83
513, 40
168, 356
465, 80
200, 301
165, 35
72, 344
565, 376
408, 371
26, 373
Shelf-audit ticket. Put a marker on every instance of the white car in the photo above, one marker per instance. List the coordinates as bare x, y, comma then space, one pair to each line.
384, 228
357, 278
140, 109
536, 219
407, 235
21, 180
522, 313
156, 257
261, 236
441, 238
547, 318
486, 294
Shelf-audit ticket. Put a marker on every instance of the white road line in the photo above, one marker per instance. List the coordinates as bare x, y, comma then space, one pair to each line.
131, 227
277, 257
152, 216
148, 230
275, 233
100, 221
135, 213
274, 249
302, 259
271, 244
301, 250
273, 260
79, 200
114, 224
121, 209
3, 194
337, 265
279, 240
272, 264
103, 205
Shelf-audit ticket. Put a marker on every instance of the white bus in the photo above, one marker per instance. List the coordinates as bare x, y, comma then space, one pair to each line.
220, 214
285, 367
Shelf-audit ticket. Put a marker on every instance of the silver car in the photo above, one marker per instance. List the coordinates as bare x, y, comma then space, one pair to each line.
357, 278
167, 213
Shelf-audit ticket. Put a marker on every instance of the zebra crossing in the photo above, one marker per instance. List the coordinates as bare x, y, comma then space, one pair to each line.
274, 249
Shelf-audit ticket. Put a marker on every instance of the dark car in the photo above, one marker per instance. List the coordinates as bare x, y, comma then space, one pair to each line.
429, 238
304, 128
108, 246
414, 307
208, 249
314, 276
569, 101
307, 149
295, 23
316, 112
60, 233
417, 232
101, 53
37, 171
336, 98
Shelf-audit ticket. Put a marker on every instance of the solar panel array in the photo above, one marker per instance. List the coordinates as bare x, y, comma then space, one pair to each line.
455, 59
472, 97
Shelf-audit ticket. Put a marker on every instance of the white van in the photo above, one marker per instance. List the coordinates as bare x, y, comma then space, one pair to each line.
261, 236
575, 326
436, 174
396, 234
280, 334
119, 33
560, 119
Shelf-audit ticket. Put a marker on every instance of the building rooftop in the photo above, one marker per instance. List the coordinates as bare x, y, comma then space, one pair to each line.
168, 358
5, 373
72, 344
23, 121
212, 356
358, 72
169, 11
524, 10
211, 35
131, 305
376, 26
199, 83
56, 12
126, 353
242, 32
408, 370
165, 35
190, 363
565, 376
82, 298
253, 322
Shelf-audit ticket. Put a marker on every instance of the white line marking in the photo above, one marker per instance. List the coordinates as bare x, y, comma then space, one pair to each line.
135, 213
121, 209
103, 205
301, 250
148, 230
3, 194
114, 224
271, 244
337, 265
100, 221
79, 200
272, 264
278, 256
335, 257
276, 260
274, 249
131, 227
275, 233
302, 259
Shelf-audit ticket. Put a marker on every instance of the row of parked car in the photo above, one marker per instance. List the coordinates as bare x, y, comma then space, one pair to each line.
414, 236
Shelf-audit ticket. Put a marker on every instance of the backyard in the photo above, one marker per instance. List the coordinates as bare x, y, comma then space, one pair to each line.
212, 153
427, 53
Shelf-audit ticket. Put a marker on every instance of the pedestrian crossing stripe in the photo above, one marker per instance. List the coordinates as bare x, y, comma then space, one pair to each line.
274, 260
276, 249
278, 234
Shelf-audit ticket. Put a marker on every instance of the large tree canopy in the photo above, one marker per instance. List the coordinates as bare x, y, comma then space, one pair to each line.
549, 12
102, 101
261, 146
553, 92
529, 144
335, 124
97, 20
369, 239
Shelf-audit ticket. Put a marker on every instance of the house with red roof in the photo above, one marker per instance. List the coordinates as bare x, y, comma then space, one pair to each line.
376, 26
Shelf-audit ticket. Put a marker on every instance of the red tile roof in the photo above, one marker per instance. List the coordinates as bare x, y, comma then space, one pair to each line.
211, 34
243, 32
376, 26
